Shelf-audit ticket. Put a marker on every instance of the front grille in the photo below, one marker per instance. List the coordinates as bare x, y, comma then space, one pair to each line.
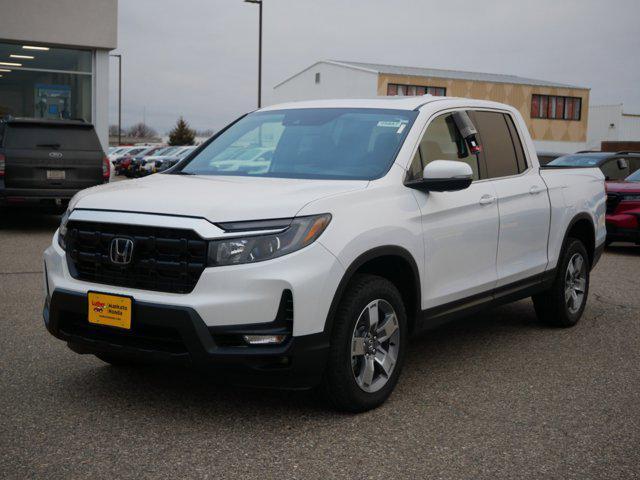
612, 202
164, 259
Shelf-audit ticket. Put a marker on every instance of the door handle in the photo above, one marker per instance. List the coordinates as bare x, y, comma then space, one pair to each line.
535, 190
487, 200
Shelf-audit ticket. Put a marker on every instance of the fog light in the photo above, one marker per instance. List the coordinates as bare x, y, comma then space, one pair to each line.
264, 339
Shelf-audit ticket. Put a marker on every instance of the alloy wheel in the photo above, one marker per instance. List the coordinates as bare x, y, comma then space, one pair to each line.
575, 282
374, 345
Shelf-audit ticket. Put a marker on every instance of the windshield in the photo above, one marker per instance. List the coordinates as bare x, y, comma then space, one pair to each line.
60, 136
135, 151
169, 150
184, 152
588, 160
634, 177
336, 143
162, 151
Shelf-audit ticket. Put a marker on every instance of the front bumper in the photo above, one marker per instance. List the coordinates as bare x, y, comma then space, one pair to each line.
623, 227
234, 295
616, 234
195, 328
177, 334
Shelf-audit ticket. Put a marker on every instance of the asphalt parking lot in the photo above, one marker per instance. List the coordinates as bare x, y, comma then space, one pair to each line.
494, 396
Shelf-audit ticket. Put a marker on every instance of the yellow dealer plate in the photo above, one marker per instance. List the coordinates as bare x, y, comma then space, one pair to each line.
110, 310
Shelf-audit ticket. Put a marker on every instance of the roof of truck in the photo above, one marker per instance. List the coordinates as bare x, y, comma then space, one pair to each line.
394, 103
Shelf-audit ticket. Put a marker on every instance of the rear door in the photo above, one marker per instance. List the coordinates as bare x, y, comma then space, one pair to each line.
52, 155
523, 202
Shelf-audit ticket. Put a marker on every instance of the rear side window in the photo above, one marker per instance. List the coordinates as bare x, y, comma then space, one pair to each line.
501, 145
60, 137
517, 144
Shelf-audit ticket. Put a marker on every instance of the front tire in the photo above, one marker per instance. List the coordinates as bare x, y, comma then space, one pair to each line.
562, 305
367, 345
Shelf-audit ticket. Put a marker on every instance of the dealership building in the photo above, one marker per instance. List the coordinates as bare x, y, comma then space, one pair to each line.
556, 114
54, 59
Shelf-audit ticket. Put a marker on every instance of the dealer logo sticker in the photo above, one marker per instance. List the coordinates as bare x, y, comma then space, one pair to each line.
98, 306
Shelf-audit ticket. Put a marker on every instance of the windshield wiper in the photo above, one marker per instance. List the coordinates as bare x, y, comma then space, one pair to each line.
182, 172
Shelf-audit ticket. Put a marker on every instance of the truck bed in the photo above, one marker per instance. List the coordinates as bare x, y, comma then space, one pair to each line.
573, 189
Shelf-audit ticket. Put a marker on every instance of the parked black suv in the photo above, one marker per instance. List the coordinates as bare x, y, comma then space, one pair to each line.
46, 162
614, 165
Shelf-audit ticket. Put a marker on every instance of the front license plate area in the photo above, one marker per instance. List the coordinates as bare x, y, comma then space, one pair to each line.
56, 174
110, 310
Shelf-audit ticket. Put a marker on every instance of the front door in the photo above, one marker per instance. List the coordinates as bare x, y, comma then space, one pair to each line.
460, 228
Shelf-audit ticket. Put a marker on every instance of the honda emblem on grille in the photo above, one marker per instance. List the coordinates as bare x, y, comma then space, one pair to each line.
121, 251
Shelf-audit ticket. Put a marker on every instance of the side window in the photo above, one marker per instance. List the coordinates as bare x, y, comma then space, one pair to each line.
442, 141
500, 151
517, 144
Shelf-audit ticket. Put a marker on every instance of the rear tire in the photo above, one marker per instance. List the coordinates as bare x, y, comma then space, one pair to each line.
562, 305
367, 345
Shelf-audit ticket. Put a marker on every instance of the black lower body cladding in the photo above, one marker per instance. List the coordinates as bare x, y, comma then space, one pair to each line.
172, 334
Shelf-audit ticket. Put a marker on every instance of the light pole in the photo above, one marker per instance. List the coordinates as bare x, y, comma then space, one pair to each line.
259, 2
119, 57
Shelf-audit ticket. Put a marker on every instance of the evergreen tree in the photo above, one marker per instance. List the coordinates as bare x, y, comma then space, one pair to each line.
182, 134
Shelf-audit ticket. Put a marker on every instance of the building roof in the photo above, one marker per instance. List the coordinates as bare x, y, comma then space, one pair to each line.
449, 74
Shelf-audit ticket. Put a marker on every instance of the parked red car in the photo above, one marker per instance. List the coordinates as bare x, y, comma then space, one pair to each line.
623, 210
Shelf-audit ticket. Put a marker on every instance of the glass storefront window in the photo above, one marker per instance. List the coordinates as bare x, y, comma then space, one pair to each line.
54, 83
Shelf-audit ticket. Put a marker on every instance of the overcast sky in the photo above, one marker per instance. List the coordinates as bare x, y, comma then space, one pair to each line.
198, 58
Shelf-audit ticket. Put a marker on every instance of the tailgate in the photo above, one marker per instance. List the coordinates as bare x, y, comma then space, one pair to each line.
52, 169
52, 156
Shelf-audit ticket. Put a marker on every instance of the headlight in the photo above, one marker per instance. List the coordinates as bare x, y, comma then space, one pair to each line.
301, 232
62, 230
631, 198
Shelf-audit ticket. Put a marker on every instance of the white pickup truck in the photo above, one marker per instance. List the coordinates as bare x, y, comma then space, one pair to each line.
361, 222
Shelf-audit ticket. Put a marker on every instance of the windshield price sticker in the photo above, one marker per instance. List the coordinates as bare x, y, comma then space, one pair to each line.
400, 125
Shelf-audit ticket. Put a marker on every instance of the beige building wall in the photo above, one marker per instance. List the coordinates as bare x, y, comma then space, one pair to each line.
80, 23
516, 95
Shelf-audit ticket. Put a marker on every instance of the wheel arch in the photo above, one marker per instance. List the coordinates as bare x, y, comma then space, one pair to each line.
582, 227
392, 262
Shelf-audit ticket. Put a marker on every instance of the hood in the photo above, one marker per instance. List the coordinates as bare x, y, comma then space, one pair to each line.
216, 198
623, 186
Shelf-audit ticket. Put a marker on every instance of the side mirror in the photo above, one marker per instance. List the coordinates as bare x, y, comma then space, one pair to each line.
622, 164
443, 176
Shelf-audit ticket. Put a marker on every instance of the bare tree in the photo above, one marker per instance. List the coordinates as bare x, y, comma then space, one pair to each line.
205, 133
141, 130
113, 130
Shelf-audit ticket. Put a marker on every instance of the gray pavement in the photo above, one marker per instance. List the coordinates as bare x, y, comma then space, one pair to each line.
493, 396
